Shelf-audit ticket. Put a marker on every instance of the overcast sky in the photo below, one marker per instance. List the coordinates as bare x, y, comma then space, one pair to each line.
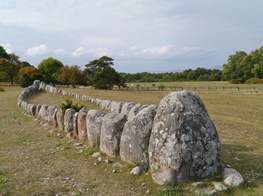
140, 35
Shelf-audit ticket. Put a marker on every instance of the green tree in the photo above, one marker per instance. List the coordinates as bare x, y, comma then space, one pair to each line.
102, 75
72, 75
27, 75
50, 69
9, 66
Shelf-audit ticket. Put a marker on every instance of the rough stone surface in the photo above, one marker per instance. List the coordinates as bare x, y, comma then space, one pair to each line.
116, 106
75, 124
50, 114
126, 108
232, 177
68, 120
184, 143
82, 125
136, 135
134, 111
94, 121
111, 130
59, 119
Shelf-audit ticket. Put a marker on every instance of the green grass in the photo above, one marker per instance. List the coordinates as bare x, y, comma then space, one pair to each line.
238, 118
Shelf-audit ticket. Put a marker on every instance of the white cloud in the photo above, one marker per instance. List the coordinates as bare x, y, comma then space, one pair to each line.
37, 50
8, 47
79, 51
59, 51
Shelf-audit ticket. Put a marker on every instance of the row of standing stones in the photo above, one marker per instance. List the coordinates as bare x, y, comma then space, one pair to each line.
177, 139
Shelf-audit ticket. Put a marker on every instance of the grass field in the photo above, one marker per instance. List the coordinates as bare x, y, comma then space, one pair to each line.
34, 162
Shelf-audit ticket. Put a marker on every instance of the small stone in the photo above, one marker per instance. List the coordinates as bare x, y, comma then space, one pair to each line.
219, 186
205, 191
80, 151
137, 170
78, 144
96, 154
143, 184
52, 132
60, 135
114, 171
118, 165
95, 164
232, 177
198, 184
108, 161
99, 159
148, 191
69, 135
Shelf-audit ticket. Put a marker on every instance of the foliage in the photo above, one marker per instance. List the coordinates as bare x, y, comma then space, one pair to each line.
254, 81
69, 104
242, 66
71, 75
200, 74
2, 90
102, 75
27, 75
171, 191
91, 150
50, 69
9, 67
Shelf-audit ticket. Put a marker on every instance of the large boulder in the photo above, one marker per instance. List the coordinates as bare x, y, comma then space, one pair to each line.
111, 130
184, 143
94, 121
68, 120
82, 125
136, 135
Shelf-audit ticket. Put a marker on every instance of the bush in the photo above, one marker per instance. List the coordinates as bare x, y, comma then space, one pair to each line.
254, 81
1, 89
69, 104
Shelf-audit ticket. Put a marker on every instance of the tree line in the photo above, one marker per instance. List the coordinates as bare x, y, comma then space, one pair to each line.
242, 67
199, 74
98, 73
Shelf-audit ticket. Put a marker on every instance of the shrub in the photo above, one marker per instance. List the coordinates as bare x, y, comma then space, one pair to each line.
254, 81
1, 89
69, 104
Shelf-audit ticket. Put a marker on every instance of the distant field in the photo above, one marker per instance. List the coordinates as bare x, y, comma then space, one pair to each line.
237, 115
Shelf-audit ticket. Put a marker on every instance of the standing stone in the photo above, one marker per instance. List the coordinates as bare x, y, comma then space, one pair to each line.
82, 126
68, 120
50, 114
75, 124
126, 108
111, 130
136, 135
134, 111
184, 143
116, 106
94, 121
59, 119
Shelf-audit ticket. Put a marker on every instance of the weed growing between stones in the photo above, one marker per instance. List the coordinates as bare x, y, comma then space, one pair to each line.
69, 104
171, 191
90, 151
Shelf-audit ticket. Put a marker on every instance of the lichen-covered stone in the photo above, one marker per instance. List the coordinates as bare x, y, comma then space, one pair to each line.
68, 120
75, 124
82, 125
134, 111
59, 119
111, 130
116, 106
126, 108
94, 121
184, 143
136, 135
